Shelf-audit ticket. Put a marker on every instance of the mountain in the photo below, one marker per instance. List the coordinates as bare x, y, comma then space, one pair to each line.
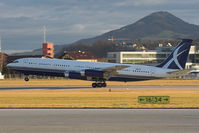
156, 26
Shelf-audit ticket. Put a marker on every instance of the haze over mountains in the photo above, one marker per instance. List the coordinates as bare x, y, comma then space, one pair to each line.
156, 26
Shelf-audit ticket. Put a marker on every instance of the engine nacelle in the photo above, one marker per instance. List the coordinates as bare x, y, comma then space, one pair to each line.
92, 73
73, 75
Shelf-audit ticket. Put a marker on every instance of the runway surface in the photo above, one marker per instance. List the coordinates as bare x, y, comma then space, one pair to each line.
110, 87
99, 121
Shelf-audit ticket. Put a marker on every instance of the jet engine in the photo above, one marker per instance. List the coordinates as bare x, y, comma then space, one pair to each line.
72, 75
92, 73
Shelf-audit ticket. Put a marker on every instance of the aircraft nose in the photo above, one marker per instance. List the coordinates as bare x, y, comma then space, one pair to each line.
9, 65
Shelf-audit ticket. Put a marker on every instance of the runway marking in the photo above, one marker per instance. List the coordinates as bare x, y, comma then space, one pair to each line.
154, 99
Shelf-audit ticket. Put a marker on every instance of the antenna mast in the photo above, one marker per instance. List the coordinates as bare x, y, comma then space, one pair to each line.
44, 29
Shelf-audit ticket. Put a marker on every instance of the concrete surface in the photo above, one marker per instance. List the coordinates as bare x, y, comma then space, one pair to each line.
99, 121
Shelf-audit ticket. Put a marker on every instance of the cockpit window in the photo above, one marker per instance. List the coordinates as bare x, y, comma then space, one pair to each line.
15, 61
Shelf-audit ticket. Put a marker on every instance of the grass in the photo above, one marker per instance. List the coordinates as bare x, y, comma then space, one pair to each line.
95, 98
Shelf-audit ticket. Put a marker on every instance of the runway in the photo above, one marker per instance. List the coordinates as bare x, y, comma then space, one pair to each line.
99, 121
108, 87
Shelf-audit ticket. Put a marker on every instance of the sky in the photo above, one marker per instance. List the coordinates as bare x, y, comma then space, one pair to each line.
66, 21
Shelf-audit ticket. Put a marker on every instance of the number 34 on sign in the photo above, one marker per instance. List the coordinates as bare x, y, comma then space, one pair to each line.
154, 99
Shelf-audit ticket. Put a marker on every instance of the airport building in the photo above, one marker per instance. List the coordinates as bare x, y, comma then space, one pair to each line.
48, 50
150, 57
79, 56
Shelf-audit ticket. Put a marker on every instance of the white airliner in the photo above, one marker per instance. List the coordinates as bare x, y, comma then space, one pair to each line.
101, 72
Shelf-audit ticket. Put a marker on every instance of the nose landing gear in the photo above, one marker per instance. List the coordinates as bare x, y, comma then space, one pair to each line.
26, 78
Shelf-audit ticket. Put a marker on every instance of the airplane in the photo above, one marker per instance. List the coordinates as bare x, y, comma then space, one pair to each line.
100, 72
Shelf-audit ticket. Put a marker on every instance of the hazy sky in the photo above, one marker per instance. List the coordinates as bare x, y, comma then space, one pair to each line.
21, 21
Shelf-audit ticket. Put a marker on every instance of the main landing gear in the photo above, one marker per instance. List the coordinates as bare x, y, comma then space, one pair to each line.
26, 78
99, 85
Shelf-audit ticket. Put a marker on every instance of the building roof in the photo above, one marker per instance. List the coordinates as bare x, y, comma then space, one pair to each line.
81, 55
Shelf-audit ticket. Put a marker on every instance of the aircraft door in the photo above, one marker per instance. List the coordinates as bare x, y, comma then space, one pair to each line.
152, 72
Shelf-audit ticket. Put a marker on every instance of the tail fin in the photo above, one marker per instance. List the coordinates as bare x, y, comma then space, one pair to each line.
177, 59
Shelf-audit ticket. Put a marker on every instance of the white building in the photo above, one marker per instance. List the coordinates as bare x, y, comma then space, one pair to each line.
149, 57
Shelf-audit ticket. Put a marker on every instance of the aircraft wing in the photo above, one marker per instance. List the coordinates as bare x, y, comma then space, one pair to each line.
113, 70
180, 72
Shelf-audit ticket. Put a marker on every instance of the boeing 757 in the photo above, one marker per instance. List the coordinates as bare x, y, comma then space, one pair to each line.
99, 72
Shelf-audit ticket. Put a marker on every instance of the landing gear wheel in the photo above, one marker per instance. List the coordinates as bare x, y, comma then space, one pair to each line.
94, 85
99, 84
103, 84
26, 79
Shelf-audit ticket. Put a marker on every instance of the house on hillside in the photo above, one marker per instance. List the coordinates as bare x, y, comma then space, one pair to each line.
80, 56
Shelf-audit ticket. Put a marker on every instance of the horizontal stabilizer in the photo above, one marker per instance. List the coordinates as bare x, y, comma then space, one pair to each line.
180, 72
